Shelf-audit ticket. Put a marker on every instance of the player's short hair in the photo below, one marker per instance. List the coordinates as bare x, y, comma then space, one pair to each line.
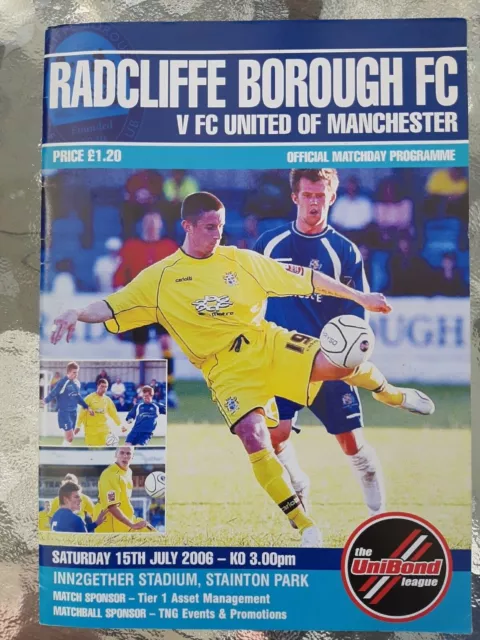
66, 490
102, 381
196, 204
147, 389
70, 477
72, 365
314, 175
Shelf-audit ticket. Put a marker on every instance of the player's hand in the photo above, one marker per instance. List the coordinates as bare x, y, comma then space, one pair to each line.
124, 429
101, 517
64, 325
76, 431
141, 524
91, 412
375, 302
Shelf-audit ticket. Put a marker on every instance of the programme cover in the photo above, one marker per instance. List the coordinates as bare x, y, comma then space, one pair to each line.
254, 383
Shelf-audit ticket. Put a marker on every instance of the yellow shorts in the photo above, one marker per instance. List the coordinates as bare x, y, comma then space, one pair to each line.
258, 367
97, 439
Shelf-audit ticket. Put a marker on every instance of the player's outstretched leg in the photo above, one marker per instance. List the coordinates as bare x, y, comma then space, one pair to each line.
272, 476
366, 468
368, 376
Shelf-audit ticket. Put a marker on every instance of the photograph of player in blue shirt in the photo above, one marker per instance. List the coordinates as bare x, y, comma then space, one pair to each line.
310, 241
65, 519
67, 394
144, 416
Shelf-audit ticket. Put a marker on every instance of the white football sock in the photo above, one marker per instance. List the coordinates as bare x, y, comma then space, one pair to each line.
288, 457
366, 467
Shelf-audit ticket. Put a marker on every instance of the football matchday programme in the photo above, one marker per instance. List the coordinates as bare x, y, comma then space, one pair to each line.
254, 385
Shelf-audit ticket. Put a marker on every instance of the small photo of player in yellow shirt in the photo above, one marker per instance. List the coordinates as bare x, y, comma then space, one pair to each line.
115, 487
96, 427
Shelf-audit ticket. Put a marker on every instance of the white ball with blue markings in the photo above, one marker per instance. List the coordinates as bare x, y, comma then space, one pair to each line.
347, 341
155, 484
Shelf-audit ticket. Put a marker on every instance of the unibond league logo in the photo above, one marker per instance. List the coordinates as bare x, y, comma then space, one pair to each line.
396, 567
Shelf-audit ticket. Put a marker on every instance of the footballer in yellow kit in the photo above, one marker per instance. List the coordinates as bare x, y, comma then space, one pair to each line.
96, 426
114, 493
214, 308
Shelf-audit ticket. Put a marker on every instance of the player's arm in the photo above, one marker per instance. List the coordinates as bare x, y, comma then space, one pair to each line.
66, 322
109, 494
161, 408
294, 280
130, 417
113, 413
54, 392
121, 517
93, 524
81, 417
328, 286
83, 404
353, 275
133, 306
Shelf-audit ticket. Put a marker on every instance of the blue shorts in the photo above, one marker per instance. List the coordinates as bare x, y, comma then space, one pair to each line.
138, 438
337, 405
67, 420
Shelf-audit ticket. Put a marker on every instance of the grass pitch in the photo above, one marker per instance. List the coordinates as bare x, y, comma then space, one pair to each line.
213, 498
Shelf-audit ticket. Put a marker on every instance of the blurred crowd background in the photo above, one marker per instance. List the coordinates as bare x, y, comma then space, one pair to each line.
105, 226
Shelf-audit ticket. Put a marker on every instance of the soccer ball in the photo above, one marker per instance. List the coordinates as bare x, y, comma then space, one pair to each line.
155, 484
112, 440
347, 341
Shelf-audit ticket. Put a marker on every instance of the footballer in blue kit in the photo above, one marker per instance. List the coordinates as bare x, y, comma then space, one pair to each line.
144, 417
67, 394
65, 519
309, 241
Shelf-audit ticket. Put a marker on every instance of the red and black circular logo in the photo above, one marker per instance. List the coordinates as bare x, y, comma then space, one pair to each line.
396, 567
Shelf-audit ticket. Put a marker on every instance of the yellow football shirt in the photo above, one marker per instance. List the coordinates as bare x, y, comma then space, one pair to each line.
206, 304
43, 521
97, 425
86, 507
115, 488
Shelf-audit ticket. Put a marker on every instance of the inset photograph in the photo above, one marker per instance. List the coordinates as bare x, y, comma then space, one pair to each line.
103, 403
92, 491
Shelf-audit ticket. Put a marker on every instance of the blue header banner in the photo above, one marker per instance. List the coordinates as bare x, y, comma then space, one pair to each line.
331, 82
206, 557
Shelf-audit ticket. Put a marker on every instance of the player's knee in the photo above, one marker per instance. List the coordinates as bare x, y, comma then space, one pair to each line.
252, 431
324, 370
280, 434
351, 442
